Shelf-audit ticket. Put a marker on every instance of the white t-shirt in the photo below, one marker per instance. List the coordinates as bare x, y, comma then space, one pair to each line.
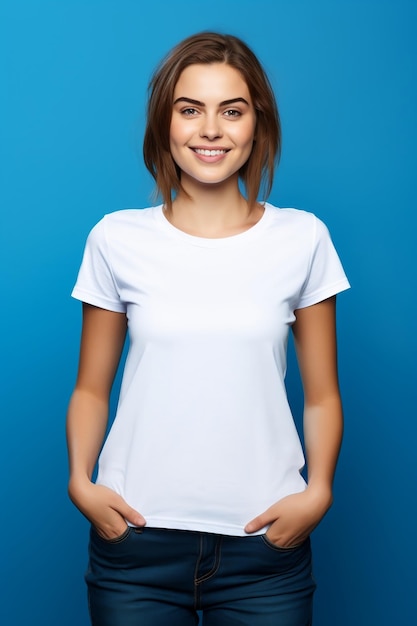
203, 437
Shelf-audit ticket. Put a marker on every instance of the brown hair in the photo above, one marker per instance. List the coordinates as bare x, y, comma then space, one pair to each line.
207, 48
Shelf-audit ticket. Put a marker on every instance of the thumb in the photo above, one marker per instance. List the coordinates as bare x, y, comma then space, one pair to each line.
134, 517
131, 515
260, 521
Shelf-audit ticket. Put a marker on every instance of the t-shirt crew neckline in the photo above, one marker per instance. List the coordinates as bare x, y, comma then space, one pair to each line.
217, 242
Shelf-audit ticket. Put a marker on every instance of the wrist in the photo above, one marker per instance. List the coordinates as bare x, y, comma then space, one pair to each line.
77, 486
321, 493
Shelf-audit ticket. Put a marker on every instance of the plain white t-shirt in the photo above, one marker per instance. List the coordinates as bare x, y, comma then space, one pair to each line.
203, 438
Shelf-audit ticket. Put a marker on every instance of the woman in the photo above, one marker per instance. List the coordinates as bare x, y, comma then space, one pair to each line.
199, 502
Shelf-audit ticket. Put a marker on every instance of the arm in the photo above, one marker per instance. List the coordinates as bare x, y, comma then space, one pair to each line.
315, 341
102, 339
293, 518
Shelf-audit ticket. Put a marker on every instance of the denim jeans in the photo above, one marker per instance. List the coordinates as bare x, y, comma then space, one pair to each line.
158, 577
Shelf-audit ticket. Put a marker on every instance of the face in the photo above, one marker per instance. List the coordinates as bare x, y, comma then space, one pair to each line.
213, 123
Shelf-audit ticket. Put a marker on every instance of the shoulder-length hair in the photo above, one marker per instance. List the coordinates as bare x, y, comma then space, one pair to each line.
207, 48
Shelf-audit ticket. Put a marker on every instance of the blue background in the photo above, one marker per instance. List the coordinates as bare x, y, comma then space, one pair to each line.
73, 79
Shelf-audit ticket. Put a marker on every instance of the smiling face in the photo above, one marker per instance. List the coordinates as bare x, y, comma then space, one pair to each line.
212, 125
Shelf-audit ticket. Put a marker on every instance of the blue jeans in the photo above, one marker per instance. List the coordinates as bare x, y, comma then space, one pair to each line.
158, 577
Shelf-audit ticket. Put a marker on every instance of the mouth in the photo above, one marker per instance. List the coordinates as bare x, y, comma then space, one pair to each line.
209, 152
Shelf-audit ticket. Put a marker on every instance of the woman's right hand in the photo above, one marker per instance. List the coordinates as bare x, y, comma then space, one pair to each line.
108, 512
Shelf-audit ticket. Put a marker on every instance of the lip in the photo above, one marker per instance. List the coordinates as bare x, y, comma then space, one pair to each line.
210, 154
223, 148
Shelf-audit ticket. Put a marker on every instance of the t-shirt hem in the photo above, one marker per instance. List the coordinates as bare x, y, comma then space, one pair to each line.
217, 529
99, 301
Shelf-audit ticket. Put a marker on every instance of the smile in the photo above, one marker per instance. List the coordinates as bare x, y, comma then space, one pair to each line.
209, 152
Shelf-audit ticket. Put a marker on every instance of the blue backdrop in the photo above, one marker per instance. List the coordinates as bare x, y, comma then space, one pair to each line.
73, 85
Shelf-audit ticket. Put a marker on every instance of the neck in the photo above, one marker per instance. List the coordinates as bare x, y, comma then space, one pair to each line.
212, 211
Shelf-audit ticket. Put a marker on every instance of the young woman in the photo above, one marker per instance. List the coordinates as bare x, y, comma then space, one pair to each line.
199, 503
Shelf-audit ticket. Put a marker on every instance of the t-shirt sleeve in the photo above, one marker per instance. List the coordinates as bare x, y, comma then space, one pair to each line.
96, 283
326, 276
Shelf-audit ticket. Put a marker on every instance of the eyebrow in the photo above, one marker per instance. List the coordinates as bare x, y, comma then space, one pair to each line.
201, 104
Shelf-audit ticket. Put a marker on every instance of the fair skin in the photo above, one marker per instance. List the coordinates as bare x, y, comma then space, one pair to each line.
212, 111
212, 131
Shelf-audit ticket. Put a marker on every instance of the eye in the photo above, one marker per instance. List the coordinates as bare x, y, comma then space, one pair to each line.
232, 113
189, 112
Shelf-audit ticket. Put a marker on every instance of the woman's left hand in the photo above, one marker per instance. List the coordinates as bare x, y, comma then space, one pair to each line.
293, 518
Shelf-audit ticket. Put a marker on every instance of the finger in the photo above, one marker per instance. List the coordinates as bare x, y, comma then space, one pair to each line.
259, 522
134, 517
131, 515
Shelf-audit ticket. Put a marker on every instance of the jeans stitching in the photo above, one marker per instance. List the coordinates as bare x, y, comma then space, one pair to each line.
197, 565
116, 540
273, 546
216, 565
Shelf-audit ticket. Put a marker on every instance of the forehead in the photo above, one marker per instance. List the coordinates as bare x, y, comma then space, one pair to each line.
211, 82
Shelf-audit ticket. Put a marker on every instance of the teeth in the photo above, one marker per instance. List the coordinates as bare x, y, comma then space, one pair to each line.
210, 152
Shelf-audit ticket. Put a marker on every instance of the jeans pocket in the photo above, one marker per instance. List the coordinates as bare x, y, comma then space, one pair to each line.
273, 546
115, 540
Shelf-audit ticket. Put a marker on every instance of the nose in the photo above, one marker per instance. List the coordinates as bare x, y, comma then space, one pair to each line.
210, 126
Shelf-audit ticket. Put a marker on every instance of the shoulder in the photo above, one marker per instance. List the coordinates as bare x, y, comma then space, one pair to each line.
289, 214
129, 217
123, 223
294, 220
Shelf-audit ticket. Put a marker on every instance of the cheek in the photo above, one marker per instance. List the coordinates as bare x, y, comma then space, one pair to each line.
173, 133
176, 142
247, 135
175, 130
178, 131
